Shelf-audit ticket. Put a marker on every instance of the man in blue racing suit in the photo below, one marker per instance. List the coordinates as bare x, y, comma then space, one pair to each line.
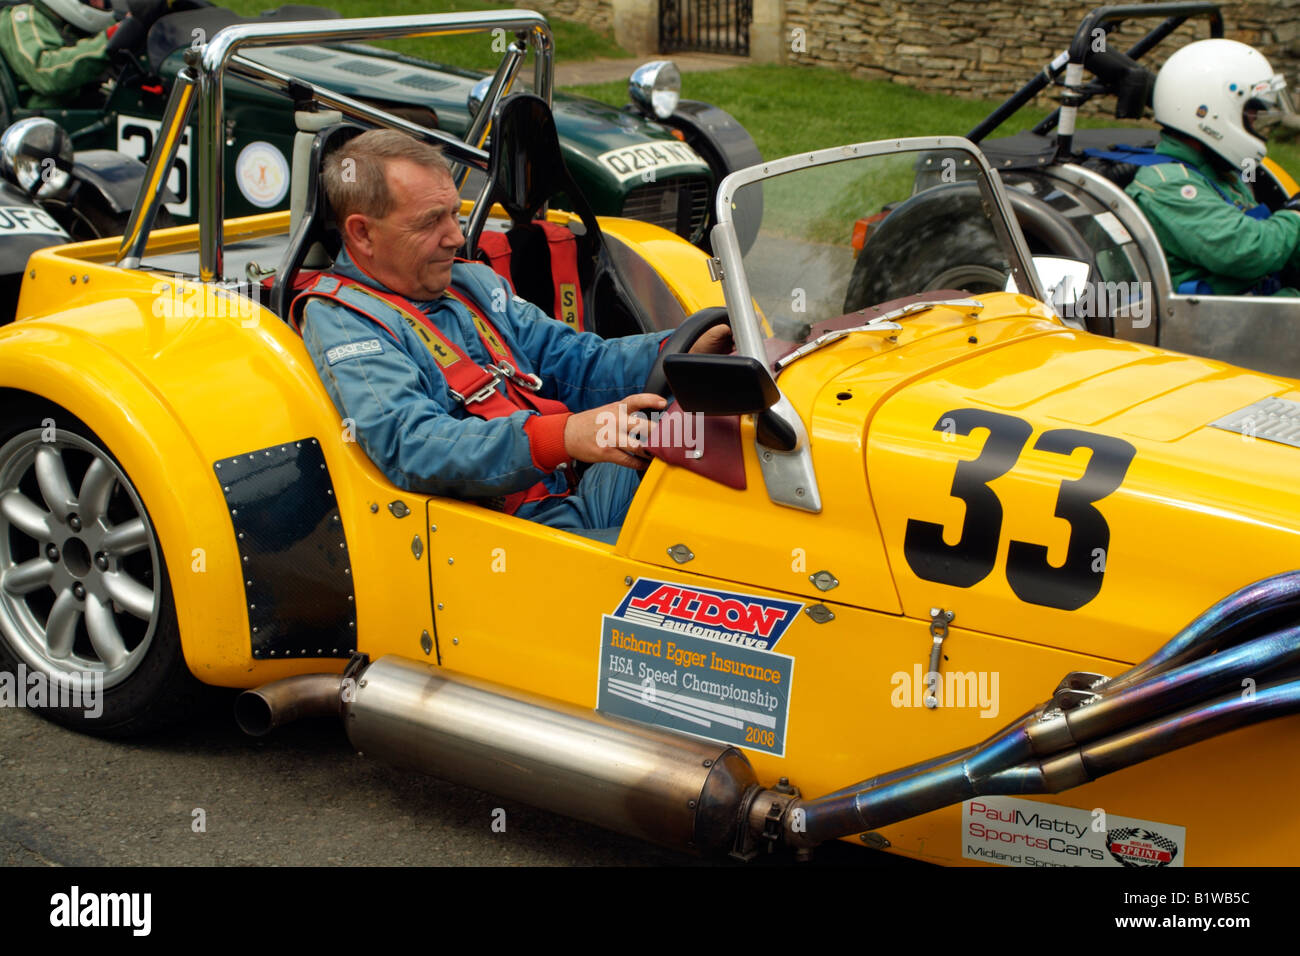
455, 386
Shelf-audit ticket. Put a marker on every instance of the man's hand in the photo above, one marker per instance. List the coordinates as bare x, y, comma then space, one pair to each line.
717, 341
613, 432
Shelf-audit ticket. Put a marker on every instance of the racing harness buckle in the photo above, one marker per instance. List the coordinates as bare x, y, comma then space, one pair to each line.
484, 391
528, 380
498, 372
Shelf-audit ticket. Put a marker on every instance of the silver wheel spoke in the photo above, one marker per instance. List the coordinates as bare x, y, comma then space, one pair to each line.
61, 628
126, 538
95, 490
105, 638
27, 577
53, 479
135, 598
26, 515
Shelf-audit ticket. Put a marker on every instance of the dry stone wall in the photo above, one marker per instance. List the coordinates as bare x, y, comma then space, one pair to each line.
971, 47
964, 47
597, 14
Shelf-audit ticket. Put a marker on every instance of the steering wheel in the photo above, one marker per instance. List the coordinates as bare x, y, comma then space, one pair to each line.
682, 340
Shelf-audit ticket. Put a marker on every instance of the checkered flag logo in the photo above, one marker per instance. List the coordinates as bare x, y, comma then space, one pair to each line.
1123, 844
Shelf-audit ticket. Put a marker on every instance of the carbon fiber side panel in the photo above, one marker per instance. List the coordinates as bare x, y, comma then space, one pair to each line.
297, 574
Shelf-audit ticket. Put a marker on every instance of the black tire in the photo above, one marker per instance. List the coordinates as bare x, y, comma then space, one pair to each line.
90, 217
937, 239
150, 687
726, 146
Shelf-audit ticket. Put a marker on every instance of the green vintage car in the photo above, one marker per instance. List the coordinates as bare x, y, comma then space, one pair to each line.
658, 160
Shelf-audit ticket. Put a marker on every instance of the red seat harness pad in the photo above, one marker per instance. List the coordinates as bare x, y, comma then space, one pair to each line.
471, 383
562, 245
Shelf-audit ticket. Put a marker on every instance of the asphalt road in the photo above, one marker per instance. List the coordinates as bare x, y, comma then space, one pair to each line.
299, 796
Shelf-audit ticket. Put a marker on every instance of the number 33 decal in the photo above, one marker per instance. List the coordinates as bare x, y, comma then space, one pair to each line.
1034, 581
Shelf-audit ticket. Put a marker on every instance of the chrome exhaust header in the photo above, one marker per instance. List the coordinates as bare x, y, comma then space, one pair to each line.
1187, 691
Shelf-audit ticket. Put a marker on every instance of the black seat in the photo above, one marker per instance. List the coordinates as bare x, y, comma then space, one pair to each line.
526, 171
317, 225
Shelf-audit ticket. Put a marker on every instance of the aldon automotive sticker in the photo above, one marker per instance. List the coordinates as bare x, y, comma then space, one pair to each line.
1015, 832
697, 661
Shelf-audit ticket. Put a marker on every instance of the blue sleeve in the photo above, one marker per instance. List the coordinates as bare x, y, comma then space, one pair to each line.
413, 438
580, 369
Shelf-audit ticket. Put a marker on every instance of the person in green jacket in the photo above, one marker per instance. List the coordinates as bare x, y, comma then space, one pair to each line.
56, 47
1213, 99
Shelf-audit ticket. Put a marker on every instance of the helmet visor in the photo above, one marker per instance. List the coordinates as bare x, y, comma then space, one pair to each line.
1268, 105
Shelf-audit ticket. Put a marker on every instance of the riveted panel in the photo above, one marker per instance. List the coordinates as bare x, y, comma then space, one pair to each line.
296, 569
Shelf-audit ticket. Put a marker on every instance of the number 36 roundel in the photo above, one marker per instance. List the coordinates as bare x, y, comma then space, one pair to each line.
1033, 580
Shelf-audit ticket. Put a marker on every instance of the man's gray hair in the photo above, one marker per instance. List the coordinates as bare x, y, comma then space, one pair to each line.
354, 175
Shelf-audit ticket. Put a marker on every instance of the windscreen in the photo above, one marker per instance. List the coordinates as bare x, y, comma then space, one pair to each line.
836, 238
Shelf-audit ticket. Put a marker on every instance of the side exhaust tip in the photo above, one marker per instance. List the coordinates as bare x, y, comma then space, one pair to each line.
262, 709
253, 714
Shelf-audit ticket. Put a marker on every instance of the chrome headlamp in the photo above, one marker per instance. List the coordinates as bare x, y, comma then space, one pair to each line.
36, 156
477, 93
655, 88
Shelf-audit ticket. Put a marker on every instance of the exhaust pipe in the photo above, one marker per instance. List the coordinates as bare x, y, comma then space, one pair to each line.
647, 783
704, 797
261, 710
1188, 691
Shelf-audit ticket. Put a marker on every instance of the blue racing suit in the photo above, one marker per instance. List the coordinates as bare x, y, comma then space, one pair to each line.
407, 421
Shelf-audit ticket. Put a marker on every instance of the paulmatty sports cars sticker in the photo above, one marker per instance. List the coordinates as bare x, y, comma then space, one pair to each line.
1015, 832
734, 695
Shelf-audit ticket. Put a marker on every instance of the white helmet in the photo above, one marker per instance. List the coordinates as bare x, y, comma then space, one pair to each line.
1204, 89
83, 16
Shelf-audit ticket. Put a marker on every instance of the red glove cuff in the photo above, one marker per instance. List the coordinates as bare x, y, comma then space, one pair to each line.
546, 440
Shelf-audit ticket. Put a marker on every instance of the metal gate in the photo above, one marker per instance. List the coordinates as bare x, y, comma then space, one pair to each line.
705, 26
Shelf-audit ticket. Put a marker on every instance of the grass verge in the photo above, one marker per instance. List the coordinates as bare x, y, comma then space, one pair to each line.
794, 109
573, 41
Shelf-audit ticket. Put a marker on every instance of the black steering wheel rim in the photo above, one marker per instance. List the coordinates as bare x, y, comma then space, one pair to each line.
682, 340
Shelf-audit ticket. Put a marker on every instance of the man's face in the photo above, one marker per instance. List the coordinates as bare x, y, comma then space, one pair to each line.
411, 249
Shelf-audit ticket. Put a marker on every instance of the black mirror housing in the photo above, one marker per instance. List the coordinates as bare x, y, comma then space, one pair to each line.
721, 384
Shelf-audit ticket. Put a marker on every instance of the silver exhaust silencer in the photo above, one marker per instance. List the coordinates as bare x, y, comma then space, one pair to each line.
647, 783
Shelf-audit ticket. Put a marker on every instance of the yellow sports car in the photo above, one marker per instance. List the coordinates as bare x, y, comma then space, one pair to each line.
1030, 588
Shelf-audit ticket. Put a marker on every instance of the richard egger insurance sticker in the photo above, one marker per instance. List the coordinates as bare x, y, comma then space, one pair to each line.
707, 688
1016, 832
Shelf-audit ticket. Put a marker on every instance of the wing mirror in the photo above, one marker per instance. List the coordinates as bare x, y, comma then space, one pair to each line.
720, 384
1063, 281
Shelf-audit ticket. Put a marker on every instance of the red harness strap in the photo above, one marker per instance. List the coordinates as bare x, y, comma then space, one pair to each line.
562, 249
563, 246
495, 246
474, 386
